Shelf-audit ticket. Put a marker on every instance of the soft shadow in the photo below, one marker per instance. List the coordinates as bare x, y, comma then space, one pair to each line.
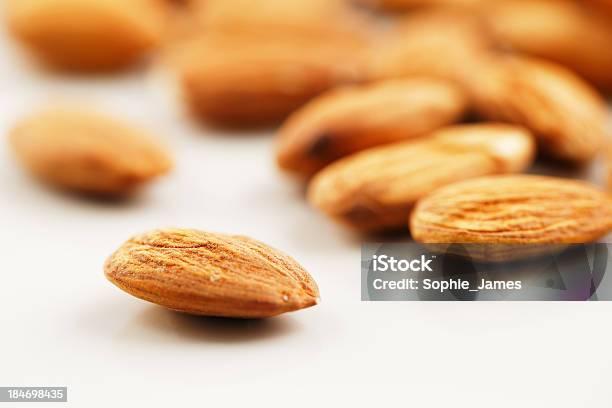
550, 167
237, 128
131, 199
163, 324
399, 234
101, 75
225, 131
41, 190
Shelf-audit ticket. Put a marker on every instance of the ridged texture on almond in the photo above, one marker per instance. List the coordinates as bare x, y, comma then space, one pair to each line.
211, 274
377, 188
567, 115
258, 80
348, 120
564, 31
444, 44
87, 152
88, 35
518, 209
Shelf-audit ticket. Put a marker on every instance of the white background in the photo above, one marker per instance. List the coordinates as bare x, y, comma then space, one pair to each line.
62, 323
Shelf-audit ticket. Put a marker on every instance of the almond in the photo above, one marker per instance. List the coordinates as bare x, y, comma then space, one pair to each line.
566, 114
434, 43
604, 6
608, 165
348, 120
88, 35
377, 188
238, 80
407, 5
515, 209
320, 19
564, 31
211, 274
87, 152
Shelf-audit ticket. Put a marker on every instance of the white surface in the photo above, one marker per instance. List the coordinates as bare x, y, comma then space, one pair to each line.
62, 323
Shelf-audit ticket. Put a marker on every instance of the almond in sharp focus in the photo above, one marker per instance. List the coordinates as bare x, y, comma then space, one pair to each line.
87, 35
517, 209
567, 116
377, 188
211, 274
87, 152
348, 120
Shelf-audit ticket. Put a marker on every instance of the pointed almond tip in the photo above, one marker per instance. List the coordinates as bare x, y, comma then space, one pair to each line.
313, 301
306, 302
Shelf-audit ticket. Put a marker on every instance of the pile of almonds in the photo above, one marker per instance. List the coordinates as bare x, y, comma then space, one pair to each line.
412, 115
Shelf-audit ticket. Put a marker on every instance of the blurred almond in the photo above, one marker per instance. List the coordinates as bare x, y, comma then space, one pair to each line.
377, 188
236, 80
608, 161
348, 120
88, 35
408, 5
88, 153
518, 209
565, 113
315, 19
604, 6
564, 31
211, 274
435, 43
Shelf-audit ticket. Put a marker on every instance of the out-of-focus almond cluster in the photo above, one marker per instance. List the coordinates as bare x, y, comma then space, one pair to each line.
251, 63
372, 97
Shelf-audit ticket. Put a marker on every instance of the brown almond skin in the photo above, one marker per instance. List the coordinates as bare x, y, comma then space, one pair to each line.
566, 114
567, 32
88, 153
513, 209
435, 43
257, 80
92, 35
211, 274
345, 121
608, 161
604, 6
410, 5
375, 189
317, 19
